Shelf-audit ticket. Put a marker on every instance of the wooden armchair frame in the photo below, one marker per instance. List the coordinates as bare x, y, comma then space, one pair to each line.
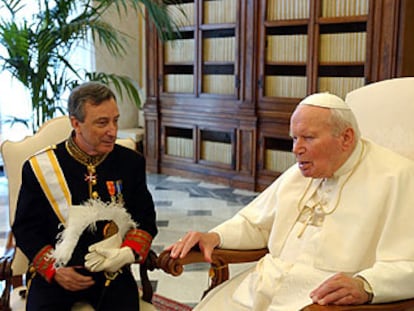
6, 273
219, 271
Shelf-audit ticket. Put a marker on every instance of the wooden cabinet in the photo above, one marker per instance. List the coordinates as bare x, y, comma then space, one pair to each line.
219, 96
201, 120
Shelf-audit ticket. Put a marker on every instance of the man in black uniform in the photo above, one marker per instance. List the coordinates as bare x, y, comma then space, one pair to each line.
95, 191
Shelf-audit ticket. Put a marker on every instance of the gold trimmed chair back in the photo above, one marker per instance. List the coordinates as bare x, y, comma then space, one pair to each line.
15, 153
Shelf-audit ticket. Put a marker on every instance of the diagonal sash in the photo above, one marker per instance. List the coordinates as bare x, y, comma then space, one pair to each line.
50, 176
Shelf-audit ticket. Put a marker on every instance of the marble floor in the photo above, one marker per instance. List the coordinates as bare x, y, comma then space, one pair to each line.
181, 205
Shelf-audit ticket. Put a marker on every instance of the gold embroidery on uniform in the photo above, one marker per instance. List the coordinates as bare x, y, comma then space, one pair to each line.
91, 162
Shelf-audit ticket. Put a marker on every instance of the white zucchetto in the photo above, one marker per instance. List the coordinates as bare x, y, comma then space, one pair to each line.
325, 100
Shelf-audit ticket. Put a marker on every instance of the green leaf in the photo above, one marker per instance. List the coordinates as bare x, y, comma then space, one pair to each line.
37, 48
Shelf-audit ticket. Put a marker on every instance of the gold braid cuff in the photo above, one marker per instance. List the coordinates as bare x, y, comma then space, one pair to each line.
140, 242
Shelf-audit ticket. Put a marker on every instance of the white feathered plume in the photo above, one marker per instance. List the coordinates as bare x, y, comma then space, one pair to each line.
85, 216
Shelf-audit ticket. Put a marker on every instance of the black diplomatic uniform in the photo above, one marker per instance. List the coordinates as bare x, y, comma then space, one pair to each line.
117, 176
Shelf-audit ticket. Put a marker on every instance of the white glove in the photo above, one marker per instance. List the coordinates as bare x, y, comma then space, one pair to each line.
93, 258
109, 259
113, 241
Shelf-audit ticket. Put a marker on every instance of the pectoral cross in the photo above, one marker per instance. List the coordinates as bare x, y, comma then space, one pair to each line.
92, 180
316, 216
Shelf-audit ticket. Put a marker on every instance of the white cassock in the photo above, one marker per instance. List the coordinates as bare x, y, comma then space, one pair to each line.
358, 222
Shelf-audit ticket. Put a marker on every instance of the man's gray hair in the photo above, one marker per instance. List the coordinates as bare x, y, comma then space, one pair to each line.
89, 92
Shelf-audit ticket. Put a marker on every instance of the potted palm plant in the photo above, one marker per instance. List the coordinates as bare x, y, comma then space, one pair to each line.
37, 47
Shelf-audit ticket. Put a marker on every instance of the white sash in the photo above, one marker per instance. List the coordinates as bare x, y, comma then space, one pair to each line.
50, 176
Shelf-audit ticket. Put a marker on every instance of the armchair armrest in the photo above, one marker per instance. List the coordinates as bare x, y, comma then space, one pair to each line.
6, 273
150, 264
219, 271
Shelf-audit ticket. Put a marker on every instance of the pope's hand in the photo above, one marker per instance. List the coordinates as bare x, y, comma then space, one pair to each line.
206, 241
108, 259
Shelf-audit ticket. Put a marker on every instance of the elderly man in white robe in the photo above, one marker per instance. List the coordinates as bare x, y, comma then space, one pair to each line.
337, 224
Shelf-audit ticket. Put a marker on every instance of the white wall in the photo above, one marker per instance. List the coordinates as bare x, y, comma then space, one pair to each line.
131, 64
